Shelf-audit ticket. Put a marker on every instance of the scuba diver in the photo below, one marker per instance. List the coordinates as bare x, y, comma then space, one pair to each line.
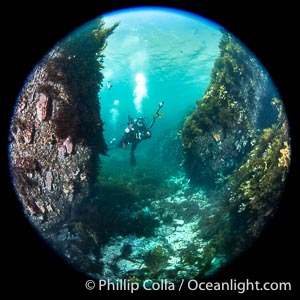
137, 131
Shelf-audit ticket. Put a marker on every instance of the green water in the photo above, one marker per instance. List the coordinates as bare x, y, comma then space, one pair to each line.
154, 56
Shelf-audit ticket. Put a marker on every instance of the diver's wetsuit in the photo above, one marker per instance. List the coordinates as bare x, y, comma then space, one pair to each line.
136, 132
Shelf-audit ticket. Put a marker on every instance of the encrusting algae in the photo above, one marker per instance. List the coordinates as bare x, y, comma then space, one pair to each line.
56, 132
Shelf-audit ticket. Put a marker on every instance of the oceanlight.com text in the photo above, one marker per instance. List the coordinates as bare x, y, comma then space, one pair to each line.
192, 285
239, 286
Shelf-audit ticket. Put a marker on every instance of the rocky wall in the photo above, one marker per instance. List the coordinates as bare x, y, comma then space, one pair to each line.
223, 126
56, 131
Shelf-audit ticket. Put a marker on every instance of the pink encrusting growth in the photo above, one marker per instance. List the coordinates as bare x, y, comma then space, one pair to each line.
68, 144
65, 147
41, 107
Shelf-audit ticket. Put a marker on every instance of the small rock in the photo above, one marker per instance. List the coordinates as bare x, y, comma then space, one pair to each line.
179, 222
49, 208
217, 136
41, 208
128, 265
30, 209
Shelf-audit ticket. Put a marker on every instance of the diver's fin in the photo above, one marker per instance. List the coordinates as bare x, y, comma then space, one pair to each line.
132, 159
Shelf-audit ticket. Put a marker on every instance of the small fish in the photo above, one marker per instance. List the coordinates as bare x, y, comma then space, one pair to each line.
109, 85
185, 181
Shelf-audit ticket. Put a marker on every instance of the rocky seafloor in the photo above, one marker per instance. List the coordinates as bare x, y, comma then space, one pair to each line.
174, 246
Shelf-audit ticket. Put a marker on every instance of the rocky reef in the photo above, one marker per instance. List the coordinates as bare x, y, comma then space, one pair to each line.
237, 143
187, 221
213, 181
150, 228
257, 185
254, 190
222, 128
56, 131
